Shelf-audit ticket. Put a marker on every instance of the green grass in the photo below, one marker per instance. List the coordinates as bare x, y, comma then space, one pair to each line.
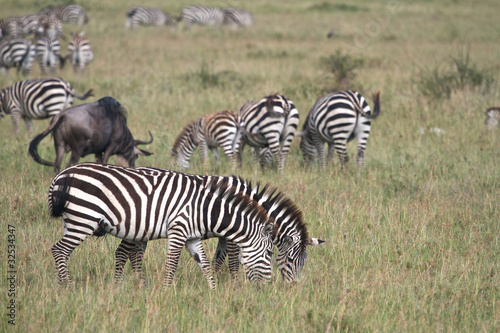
411, 245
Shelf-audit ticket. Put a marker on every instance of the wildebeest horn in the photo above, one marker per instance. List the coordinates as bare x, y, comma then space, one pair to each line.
140, 142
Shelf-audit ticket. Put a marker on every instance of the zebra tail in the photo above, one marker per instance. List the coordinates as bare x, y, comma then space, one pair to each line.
376, 107
86, 95
62, 61
57, 199
33, 148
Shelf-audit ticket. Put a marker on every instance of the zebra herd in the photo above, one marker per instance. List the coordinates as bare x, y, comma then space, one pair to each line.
191, 15
46, 26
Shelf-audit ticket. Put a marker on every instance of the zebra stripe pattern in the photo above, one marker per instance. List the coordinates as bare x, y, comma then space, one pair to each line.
48, 54
66, 13
237, 18
11, 27
80, 53
210, 131
492, 118
336, 119
290, 237
29, 24
202, 15
18, 53
36, 99
148, 17
144, 204
270, 123
50, 26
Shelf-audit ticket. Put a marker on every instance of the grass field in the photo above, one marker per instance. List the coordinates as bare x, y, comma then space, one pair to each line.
412, 244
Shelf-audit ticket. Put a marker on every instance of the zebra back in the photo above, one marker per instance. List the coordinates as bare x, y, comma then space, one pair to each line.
149, 17
237, 18
66, 13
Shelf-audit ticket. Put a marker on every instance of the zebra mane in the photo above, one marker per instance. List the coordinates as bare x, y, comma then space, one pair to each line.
181, 137
272, 197
228, 192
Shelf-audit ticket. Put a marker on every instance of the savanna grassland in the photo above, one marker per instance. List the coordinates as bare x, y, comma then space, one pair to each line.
412, 244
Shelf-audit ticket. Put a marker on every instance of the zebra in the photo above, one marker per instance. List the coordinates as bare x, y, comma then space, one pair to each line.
17, 52
272, 122
36, 99
149, 17
336, 119
210, 131
139, 205
11, 27
492, 118
66, 13
290, 237
29, 24
80, 52
48, 54
237, 18
202, 15
49, 26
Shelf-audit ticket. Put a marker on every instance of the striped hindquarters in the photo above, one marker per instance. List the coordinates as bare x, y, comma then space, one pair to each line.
202, 15
18, 53
48, 53
80, 53
66, 13
50, 26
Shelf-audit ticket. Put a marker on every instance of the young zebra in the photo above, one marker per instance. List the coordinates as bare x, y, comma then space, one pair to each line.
80, 52
290, 236
149, 17
273, 120
210, 131
492, 118
336, 119
202, 15
17, 52
144, 204
66, 13
36, 99
48, 54
237, 18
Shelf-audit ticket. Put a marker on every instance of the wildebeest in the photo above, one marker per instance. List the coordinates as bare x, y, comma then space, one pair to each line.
92, 128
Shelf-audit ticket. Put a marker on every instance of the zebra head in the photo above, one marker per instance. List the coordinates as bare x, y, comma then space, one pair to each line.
307, 145
185, 144
256, 256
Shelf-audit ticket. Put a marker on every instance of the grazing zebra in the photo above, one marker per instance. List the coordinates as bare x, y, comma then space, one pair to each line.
492, 118
48, 54
290, 237
210, 131
202, 15
144, 204
36, 99
80, 52
66, 13
273, 121
336, 119
149, 17
29, 24
17, 52
237, 18
49, 26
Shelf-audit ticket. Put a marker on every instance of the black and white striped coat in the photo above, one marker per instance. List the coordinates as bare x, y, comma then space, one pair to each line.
145, 204
270, 123
336, 119
17, 52
36, 99
11, 27
202, 15
80, 53
48, 54
237, 18
66, 13
50, 26
220, 129
290, 237
492, 118
149, 17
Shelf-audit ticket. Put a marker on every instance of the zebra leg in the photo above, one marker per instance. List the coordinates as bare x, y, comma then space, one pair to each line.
341, 149
220, 255
331, 153
216, 154
136, 259
285, 149
360, 157
234, 259
204, 151
63, 249
320, 148
29, 126
195, 248
133, 251
16, 120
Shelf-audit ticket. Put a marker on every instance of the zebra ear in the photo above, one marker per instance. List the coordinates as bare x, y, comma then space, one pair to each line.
314, 241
